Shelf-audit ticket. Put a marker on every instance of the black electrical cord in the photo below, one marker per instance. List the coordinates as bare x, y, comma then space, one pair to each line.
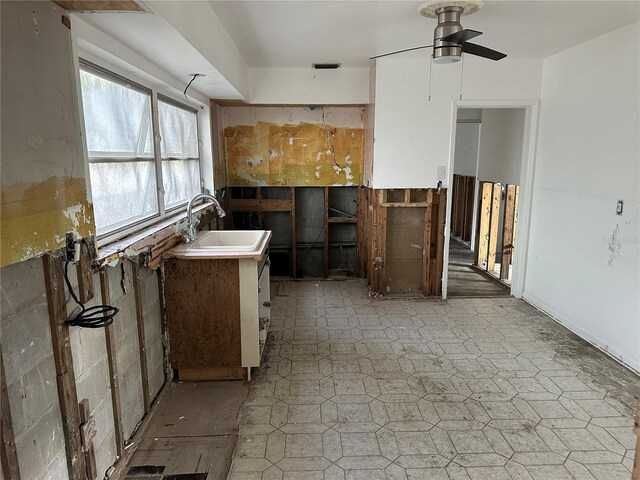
93, 317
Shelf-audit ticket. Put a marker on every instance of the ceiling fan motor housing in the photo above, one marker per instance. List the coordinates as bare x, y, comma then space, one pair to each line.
448, 13
448, 23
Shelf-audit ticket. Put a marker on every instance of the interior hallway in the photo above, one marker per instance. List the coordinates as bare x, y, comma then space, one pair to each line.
355, 388
467, 281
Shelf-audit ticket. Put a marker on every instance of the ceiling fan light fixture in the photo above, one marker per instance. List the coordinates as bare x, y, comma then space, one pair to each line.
447, 59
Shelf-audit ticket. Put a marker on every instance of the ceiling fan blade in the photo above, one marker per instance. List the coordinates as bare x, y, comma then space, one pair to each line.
400, 51
481, 51
461, 36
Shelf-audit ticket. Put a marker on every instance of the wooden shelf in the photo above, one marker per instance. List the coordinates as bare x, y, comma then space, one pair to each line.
342, 220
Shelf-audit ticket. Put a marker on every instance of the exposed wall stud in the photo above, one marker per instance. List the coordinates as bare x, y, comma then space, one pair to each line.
294, 261
484, 219
8, 454
493, 226
144, 372
88, 433
85, 272
62, 356
113, 365
508, 231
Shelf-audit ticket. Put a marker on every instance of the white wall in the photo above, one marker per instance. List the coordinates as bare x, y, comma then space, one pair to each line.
501, 140
466, 155
588, 157
413, 134
306, 86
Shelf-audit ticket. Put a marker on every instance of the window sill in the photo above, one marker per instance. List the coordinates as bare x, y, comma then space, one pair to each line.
155, 239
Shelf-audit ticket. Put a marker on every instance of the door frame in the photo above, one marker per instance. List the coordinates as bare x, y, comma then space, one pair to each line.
527, 166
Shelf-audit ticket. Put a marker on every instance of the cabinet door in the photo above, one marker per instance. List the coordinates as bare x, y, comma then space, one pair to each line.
203, 313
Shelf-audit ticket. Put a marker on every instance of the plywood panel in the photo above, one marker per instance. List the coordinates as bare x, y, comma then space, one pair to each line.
203, 332
405, 241
303, 154
175, 418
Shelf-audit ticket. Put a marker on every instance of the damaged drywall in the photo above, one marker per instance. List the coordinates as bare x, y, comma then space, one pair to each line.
36, 216
293, 146
43, 186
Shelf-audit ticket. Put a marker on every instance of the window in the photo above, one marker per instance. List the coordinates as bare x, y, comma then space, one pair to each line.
179, 152
126, 165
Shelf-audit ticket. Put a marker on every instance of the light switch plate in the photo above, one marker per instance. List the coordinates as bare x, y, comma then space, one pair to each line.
619, 207
441, 172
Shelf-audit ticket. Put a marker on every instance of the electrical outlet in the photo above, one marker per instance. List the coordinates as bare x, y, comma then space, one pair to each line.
619, 207
70, 247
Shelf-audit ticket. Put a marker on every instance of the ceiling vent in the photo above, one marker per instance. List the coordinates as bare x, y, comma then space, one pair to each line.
326, 66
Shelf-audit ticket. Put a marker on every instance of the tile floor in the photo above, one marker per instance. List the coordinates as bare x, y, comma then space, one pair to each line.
355, 389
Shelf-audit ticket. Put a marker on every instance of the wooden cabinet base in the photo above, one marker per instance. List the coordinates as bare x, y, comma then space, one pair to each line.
212, 373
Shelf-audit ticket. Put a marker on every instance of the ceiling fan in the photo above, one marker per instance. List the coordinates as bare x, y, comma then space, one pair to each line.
450, 40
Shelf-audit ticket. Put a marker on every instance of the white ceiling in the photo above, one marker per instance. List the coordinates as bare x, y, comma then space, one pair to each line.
299, 33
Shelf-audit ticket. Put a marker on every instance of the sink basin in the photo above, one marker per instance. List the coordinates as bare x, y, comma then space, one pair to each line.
228, 240
210, 244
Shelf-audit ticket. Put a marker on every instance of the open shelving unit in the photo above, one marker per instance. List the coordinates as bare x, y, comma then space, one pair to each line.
314, 229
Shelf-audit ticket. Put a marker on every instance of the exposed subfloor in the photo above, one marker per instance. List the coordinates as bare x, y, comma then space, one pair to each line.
191, 433
466, 280
354, 388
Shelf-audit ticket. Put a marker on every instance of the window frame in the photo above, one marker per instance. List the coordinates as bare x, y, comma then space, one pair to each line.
162, 213
164, 98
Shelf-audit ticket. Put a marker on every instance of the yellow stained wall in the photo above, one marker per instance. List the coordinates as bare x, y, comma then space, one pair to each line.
34, 217
305, 154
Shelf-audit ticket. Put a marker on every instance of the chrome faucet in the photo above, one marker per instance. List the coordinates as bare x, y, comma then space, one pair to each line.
192, 223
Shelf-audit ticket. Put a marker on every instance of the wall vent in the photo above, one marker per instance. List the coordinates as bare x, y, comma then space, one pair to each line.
326, 66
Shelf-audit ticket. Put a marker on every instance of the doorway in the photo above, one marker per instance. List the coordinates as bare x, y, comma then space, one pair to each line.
483, 211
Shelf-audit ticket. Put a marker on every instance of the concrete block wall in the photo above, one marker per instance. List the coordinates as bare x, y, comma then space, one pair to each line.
126, 340
30, 372
91, 369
